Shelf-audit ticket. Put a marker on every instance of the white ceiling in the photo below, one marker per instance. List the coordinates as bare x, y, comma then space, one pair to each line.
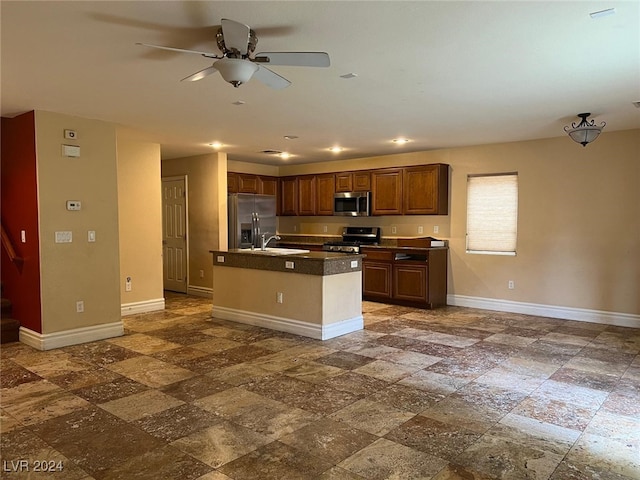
443, 74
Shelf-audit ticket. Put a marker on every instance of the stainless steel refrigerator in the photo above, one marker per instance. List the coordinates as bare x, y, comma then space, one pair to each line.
250, 216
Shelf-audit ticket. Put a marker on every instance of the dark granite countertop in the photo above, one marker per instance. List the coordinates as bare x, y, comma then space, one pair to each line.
300, 241
308, 263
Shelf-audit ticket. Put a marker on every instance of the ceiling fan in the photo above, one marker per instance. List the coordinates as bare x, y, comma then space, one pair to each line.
238, 64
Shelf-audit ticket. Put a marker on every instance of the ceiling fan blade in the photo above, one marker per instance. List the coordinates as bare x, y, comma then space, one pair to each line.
271, 78
201, 74
181, 50
297, 59
236, 35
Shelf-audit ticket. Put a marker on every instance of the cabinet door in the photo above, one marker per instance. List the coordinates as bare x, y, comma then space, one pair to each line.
344, 182
289, 196
248, 183
361, 181
307, 195
386, 188
326, 187
410, 282
268, 185
376, 279
426, 190
232, 182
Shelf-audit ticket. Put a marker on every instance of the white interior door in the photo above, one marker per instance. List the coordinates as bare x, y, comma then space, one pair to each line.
174, 234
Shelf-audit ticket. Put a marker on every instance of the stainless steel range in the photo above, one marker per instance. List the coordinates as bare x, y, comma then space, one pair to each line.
353, 238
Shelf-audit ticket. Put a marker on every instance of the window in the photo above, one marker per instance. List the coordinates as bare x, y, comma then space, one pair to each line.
492, 213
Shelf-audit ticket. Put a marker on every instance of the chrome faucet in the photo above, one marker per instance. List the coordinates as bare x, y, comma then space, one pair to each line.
266, 242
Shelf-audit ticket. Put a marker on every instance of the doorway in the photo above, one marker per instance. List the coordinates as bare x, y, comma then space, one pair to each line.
174, 234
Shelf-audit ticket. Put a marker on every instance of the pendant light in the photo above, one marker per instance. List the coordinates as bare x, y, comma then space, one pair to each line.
584, 132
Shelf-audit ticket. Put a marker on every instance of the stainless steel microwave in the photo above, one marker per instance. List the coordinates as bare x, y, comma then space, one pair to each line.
352, 204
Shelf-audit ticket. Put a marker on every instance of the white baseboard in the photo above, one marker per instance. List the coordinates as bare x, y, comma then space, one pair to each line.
197, 291
142, 307
48, 341
319, 332
552, 311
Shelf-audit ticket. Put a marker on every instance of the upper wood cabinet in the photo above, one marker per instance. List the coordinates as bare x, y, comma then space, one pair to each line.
288, 204
386, 190
268, 185
344, 182
353, 181
325, 189
307, 195
425, 190
232, 182
248, 183
361, 181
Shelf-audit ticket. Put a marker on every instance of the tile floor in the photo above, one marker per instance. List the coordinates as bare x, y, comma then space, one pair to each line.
449, 394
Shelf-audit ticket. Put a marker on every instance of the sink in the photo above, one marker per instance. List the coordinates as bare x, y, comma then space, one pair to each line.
275, 251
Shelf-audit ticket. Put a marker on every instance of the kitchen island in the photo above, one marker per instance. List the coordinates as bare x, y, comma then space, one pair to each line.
314, 294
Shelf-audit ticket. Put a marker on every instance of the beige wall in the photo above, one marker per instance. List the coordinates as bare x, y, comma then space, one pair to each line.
140, 217
77, 271
207, 205
578, 226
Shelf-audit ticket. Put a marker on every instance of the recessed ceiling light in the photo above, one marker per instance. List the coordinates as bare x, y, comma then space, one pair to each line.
603, 13
284, 155
239, 102
215, 144
400, 141
336, 149
349, 75
290, 137
636, 104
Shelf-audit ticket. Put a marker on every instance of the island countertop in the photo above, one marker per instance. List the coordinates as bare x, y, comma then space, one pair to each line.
307, 263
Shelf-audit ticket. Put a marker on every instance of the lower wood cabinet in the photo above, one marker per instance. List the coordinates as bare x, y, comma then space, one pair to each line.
415, 277
376, 280
410, 282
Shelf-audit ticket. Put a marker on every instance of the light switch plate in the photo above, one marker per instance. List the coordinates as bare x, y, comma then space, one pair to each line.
71, 151
64, 237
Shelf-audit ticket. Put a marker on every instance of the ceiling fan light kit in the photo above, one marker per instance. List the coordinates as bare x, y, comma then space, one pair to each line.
235, 71
585, 131
237, 42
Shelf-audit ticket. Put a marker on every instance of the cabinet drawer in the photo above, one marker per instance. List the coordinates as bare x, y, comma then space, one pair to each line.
372, 254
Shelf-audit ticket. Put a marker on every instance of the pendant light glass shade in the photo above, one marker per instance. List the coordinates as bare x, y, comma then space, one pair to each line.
584, 132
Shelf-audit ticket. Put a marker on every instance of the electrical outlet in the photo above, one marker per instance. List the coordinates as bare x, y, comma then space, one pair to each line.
420, 229
91, 236
511, 285
279, 298
289, 264
79, 306
201, 273
324, 228
127, 285
394, 229
436, 229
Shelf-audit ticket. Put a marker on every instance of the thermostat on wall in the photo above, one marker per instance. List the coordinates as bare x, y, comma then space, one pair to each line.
74, 205
71, 134
70, 150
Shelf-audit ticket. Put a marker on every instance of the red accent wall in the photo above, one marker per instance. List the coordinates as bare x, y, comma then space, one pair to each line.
19, 197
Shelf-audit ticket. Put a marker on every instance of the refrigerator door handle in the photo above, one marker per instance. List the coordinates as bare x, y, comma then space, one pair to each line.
257, 227
254, 240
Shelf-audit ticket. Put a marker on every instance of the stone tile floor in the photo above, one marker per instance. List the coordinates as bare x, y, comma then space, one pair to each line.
454, 393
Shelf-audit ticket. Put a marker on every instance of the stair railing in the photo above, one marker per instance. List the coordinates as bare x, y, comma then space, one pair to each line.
8, 247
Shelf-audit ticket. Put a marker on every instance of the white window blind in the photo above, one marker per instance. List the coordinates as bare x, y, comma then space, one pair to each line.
492, 213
